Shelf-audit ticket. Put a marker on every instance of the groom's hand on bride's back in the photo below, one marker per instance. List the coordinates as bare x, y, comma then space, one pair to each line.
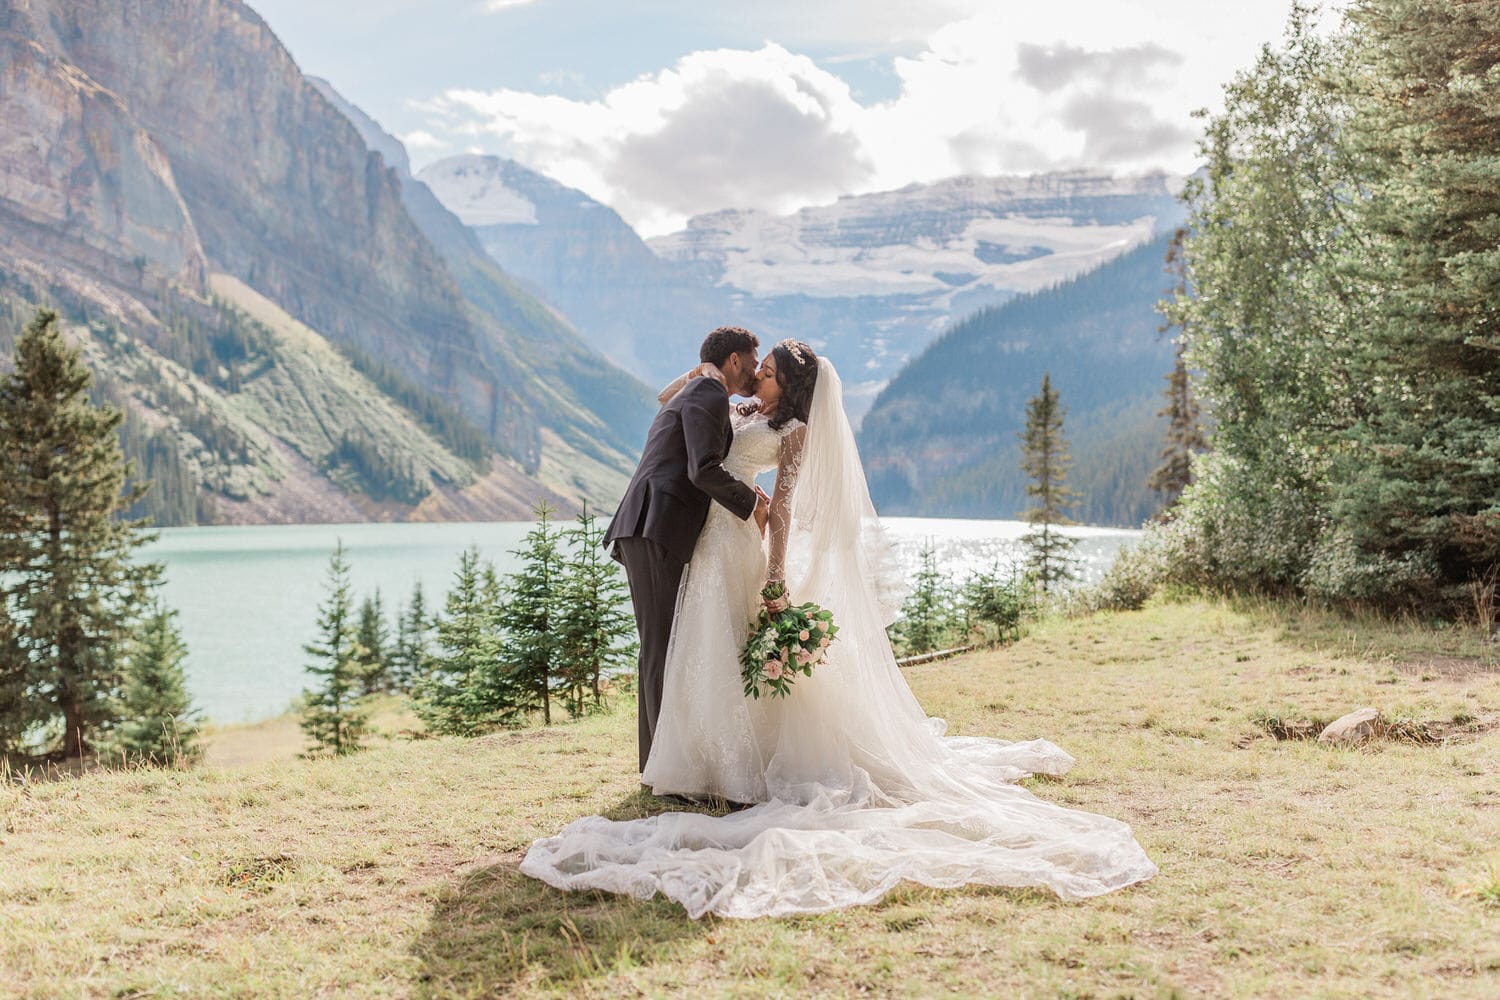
762, 510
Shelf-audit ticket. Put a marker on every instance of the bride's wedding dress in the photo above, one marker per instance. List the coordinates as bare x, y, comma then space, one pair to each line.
857, 788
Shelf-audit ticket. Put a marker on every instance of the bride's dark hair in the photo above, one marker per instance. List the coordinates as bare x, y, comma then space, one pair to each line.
797, 375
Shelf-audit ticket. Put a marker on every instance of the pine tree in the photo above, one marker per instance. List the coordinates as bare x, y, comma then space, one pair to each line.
21, 703
926, 621
1044, 458
408, 654
158, 724
1420, 497
454, 695
332, 717
1185, 437
70, 591
1000, 600
596, 628
374, 643
529, 620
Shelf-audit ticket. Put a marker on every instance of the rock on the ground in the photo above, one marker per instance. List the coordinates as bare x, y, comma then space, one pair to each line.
1353, 729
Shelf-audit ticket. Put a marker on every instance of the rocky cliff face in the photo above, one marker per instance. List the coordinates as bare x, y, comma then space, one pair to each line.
617, 409
81, 178
283, 191
647, 314
146, 144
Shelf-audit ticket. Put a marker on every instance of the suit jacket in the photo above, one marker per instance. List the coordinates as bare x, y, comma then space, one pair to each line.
681, 472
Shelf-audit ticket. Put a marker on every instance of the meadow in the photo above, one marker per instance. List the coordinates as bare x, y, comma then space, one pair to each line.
1287, 868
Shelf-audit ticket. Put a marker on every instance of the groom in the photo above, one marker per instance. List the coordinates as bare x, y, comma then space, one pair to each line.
657, 525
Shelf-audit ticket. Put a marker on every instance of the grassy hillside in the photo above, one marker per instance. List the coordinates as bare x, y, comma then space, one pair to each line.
1287, 869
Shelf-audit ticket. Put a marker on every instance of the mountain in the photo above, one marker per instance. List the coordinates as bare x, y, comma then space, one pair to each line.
872, 279
941, 438
646, 314
294, 332
566, 365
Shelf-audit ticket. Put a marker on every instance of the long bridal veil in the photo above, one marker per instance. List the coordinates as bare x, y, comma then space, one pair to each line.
865, 790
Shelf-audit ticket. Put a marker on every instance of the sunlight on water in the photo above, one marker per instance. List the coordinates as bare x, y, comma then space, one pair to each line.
248, 596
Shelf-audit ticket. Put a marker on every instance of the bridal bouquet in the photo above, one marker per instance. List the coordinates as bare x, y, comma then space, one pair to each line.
786, 640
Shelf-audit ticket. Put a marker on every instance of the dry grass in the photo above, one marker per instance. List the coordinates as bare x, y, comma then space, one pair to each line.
1287, 869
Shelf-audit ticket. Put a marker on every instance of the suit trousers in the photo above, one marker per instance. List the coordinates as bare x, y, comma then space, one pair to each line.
654, 577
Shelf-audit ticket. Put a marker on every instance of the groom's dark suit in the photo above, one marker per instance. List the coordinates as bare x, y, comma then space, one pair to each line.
660, 517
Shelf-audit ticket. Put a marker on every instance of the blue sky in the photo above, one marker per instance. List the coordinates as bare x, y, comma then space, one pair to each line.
665, 109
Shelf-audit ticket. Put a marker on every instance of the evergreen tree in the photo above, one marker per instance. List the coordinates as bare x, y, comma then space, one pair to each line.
21, 705
1185, 437
530, 622
374, 643
1044, 458
332, 718
927, 616
408, 654
998, 600
70, 591
454, 696
1420, 494
159, 725
596, 628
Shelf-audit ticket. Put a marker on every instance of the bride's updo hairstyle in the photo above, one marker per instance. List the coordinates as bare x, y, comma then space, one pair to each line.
797, 376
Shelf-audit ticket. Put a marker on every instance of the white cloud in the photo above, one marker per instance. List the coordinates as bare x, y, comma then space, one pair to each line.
495, 6
1099, 84
422, 141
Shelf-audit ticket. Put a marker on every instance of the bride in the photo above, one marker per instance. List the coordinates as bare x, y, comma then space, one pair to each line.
857, 789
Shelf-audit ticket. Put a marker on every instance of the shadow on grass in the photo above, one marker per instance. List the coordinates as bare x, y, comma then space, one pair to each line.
496, 928
1405, 641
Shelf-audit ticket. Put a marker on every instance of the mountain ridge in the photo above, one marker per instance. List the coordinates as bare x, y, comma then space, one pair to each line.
870, 279
134, 180
941, 438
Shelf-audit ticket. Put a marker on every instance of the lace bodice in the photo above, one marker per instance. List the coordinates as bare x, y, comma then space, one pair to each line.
756, 449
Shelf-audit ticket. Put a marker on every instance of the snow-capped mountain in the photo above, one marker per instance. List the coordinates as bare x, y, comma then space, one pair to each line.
875, 278
947, 242
644, 313
871, 279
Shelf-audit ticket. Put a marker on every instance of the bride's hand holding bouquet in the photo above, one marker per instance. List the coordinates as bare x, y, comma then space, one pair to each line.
785, 640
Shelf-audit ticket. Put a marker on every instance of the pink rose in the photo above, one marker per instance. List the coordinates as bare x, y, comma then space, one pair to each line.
822, 625
803, 657
823, 642
773, 670
803, 635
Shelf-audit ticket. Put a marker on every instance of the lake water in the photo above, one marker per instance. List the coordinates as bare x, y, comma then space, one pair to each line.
247, 596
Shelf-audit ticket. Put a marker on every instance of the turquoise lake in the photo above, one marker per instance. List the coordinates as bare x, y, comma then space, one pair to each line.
247, 596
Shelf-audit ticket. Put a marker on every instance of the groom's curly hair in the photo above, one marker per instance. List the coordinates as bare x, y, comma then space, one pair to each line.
725, 342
